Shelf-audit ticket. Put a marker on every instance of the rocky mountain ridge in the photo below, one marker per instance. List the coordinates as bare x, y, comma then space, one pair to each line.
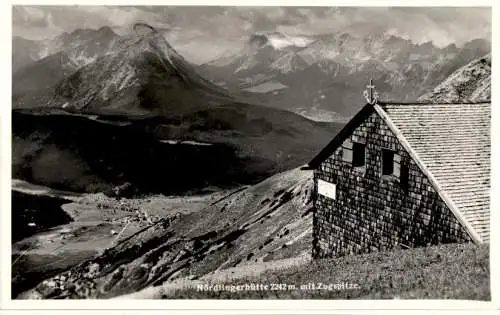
470, 83
329, 72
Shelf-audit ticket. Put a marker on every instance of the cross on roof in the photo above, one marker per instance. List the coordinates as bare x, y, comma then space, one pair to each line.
370, 94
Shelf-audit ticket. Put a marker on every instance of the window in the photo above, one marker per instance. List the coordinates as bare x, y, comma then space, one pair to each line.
358, 154
391, 163
387, 162
353, 152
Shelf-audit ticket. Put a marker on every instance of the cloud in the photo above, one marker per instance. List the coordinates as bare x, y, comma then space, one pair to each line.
229, 27
440, 25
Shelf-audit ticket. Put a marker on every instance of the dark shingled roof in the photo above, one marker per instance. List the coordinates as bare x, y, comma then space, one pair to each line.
451, 145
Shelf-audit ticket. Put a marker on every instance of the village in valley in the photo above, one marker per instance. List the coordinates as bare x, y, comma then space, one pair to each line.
332, 165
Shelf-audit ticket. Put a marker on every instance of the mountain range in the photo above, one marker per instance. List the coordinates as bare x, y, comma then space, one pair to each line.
141, 74
318, 76
324, 74
140, 113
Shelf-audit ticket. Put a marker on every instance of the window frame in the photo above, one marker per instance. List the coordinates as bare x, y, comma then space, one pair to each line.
347, 151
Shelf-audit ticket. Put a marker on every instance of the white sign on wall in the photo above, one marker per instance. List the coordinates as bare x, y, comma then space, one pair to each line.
327, 189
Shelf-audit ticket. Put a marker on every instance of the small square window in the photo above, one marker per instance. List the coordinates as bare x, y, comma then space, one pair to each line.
358, 154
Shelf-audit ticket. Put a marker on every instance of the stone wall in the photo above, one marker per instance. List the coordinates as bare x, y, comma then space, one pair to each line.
372, 211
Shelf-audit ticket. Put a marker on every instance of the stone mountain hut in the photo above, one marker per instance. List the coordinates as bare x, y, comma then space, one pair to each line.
402, 176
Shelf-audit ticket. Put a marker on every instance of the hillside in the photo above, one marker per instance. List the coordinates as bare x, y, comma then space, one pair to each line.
188, 236
470, 83
440, 272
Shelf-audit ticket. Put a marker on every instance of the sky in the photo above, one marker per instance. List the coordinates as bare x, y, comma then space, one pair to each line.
202, 32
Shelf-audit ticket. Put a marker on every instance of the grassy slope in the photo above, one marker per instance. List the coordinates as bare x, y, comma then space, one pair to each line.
441, 272
264, 222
